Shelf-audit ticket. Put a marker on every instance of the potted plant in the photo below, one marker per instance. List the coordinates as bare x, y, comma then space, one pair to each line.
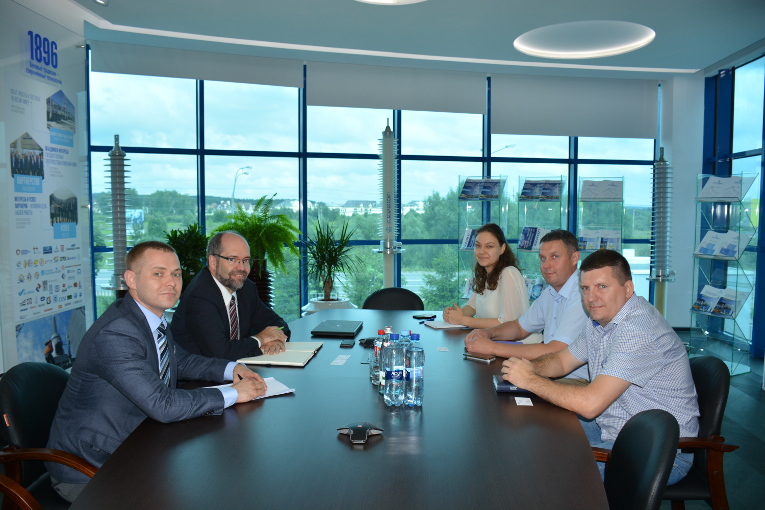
330, 253
268, 235
191, 246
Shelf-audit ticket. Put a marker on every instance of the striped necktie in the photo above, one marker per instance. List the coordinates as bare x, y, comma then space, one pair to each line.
164, 355
233, 318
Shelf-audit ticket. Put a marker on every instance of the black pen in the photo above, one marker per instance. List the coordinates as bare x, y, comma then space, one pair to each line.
240, 376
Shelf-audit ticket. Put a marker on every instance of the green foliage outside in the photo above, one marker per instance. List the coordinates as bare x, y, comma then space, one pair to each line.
441, 283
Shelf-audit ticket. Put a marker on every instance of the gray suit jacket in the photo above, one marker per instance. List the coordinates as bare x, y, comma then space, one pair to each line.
115, 385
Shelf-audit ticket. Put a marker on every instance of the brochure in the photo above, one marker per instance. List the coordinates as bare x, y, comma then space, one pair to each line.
601, 191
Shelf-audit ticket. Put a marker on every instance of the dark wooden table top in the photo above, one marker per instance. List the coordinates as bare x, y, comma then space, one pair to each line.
467, 447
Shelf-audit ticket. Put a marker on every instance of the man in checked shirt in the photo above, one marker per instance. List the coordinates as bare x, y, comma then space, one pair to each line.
636, 360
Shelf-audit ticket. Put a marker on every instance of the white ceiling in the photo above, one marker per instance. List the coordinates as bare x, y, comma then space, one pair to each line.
475, 35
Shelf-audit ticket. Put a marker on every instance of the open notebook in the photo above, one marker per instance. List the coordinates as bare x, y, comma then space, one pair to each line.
296, 355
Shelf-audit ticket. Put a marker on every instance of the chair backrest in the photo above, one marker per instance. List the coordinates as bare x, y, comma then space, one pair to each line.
712, 379
641, 461
29, 395
393, 298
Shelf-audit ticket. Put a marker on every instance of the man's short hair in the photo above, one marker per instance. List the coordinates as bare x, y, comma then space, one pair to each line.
620, 268
568, 239
135, 253
216, 241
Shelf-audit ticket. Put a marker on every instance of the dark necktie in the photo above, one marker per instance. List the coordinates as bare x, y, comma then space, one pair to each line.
164, 355
233, 318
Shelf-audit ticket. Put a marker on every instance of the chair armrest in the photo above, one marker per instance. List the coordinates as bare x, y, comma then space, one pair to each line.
707, 443
601, 454
48, 455
18, 494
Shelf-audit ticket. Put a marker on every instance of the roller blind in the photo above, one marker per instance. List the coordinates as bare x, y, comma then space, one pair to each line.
543, 105
111, 57
395, 88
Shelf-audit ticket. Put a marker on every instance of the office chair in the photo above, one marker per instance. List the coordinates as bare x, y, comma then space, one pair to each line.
706, 480
29, 395
393, 298
638, 465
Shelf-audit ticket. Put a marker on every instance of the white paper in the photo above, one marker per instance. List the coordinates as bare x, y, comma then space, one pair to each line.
274, 388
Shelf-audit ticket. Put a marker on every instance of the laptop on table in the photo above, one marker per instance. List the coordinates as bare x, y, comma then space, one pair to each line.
337, 329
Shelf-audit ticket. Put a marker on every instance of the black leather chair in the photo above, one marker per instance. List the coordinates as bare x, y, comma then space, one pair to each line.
29, 395
393, 298
706, 480
639, 464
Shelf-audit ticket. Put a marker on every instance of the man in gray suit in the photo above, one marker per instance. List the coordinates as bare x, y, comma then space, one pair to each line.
127, 368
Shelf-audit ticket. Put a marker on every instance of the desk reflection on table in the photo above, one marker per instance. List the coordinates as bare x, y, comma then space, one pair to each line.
467, 447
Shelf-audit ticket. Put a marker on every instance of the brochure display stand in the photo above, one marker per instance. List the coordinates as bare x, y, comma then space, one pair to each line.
724, 270
540, 210
476, 194
601, 212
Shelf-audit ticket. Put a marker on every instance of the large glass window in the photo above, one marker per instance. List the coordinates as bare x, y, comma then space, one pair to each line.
350, 130
441, 134
748, 99
616, 148
146, 111
242, 116
529, 146
157, 119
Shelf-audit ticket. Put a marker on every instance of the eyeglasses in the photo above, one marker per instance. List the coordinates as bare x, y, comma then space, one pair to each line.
235, 261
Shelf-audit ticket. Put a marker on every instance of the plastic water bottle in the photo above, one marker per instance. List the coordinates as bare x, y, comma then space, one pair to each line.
381, 372
374, 363
415, 366
393, 363
404, 338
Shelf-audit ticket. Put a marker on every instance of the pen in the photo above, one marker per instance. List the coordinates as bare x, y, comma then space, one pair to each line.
280, 327
423, 321
240, 376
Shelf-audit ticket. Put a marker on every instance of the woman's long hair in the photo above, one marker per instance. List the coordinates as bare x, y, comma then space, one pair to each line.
482, 279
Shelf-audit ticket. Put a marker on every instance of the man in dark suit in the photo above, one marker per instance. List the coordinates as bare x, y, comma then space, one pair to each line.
220, 314
127, 368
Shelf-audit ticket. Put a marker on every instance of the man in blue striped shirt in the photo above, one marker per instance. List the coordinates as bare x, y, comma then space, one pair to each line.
636, 360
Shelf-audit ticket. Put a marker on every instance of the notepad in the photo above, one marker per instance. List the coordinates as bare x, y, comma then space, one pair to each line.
444, 325
296, 355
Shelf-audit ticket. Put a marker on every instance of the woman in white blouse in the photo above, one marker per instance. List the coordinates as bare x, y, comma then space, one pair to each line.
499, 290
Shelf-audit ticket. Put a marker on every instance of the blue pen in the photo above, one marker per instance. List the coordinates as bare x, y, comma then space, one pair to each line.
424, 321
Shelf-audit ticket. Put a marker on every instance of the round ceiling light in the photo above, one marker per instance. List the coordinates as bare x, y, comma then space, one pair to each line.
391, 2
584, 39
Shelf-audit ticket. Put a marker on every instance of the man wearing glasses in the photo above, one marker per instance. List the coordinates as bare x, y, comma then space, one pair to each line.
220, 314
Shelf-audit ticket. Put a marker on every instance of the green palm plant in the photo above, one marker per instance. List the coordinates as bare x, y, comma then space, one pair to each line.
267, 234
191, 245
330, 253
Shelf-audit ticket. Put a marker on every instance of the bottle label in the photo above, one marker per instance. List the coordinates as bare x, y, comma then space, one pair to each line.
397, 374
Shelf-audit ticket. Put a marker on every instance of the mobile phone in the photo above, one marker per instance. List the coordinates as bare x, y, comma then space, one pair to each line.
347, 343
479, 357
424, 316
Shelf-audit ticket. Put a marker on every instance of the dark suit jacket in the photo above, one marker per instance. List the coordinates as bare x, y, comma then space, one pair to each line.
200, 324
115, 385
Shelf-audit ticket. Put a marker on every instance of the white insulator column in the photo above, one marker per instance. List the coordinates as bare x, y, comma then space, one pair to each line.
661, 271
389, 221
118, 172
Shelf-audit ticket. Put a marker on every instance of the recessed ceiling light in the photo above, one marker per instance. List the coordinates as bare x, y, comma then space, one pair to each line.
391, 2
584, 39
102, 2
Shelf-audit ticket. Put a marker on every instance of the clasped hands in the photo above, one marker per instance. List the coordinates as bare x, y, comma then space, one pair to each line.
453, 314
272, 340
478, 342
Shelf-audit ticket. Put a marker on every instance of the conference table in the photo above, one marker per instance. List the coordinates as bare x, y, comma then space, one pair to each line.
466, 447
